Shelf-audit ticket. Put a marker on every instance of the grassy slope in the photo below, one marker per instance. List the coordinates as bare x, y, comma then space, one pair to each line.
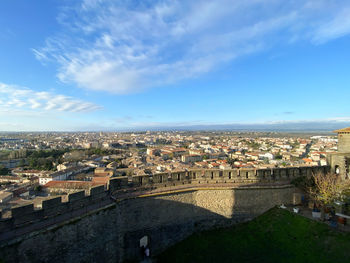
276, 236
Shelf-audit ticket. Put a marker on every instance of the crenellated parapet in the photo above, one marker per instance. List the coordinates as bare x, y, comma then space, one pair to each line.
49, 210
215, 176
58, 209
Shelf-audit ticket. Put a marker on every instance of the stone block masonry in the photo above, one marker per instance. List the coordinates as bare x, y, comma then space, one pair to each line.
111, 222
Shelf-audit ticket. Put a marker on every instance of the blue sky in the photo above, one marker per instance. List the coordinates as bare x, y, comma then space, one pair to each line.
116, 65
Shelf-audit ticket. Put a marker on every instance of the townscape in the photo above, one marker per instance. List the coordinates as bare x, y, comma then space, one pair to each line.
174, 131
37, 165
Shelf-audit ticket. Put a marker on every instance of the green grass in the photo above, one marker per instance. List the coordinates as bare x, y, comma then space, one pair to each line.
276, 236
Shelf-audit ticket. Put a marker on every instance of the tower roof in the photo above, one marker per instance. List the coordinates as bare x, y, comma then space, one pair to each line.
343, 130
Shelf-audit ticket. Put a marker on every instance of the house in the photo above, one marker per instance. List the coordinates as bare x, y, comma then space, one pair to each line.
308, 161
191, 158
323, 162
315, 156
268, 156
253, 156
62, 175
5, 196
286, 157
101, 180
152, 151
195, 152
178, 152
213, 165
103, 171
225, 166
10, 179
28, 173
201, 164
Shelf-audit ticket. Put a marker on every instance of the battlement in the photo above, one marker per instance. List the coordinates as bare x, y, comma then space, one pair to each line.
53, 207
60, 209
214, 176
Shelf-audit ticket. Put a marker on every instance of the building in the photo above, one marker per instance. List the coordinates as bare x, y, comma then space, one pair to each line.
178, 152
103, 171
267, 155
152, 151
62, 175
11, 179
191, 158
101, 180
27, 173
340, 161
5, 196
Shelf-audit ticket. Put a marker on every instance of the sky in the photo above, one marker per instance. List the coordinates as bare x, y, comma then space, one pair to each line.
90, 65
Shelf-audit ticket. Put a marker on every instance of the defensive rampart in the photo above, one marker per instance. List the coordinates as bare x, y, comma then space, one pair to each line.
214, 176
165, 207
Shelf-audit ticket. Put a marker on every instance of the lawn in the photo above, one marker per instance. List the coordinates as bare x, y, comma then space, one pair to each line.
276, 236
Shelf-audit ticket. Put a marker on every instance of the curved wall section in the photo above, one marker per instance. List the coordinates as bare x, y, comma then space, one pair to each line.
113, 233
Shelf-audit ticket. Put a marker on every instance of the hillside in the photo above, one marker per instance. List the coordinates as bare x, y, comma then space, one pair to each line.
276, 236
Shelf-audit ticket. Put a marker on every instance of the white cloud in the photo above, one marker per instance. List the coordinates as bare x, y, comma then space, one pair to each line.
325, 120
337, 27
13, 97
121, 47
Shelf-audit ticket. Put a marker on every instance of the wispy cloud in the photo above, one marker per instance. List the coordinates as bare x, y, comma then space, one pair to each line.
124, 47
130, 124
325, 120
13, 98
335, 27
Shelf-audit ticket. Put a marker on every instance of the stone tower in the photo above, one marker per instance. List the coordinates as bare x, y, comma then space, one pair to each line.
340, 161
343, 140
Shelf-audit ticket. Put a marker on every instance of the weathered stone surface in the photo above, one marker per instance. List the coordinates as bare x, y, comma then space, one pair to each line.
113, 234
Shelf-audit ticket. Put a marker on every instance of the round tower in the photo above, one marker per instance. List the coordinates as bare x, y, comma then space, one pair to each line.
343, 140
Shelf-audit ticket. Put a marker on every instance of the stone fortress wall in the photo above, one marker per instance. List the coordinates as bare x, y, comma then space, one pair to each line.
340, 161
343, 141
213, 176
166, 208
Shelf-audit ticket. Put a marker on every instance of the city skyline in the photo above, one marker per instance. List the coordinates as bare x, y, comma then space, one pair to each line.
103, 65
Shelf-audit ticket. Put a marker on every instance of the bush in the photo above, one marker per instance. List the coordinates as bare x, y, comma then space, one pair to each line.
303, 182
4, 170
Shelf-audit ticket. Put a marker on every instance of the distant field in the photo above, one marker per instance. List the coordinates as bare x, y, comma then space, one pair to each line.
276, 236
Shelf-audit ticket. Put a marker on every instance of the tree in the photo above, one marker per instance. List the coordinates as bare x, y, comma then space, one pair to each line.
278, 156
4, 170
231, 161
22, 163
328, 188
38, 188
266, 161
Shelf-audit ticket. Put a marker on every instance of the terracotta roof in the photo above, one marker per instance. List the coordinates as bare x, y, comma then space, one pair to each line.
102, 174
342, 130
307, 160
101, 180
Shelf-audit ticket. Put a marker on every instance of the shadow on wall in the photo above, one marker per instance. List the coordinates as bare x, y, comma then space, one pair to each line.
113, 234
250, 202
166, 220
